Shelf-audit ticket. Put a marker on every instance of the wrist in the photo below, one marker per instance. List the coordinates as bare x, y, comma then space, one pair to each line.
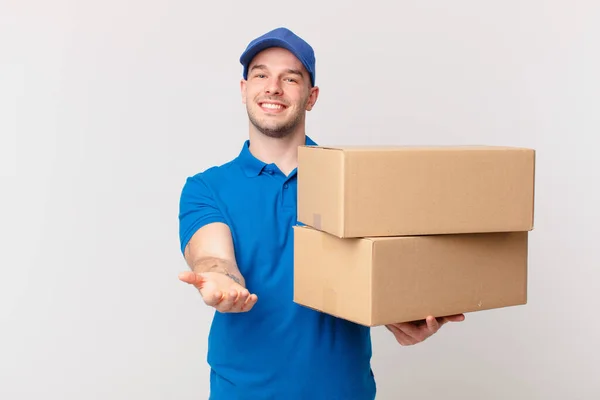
236, 278
211, 264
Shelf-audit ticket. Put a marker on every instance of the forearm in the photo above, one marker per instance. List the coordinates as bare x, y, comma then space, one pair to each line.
215, 264
211, 249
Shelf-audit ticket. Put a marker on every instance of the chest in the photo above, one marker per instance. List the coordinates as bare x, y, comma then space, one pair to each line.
261, 214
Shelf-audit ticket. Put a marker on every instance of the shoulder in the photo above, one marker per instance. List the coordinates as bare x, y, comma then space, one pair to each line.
200, 201
212, 177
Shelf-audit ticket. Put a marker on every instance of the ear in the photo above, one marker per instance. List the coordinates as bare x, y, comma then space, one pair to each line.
243, 90
312, 98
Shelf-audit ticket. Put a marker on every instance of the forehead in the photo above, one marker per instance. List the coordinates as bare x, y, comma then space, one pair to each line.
277, 57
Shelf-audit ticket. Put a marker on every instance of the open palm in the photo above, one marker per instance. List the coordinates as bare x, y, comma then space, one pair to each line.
220, 291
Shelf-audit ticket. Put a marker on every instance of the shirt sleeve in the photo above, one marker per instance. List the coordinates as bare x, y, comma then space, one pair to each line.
197, 207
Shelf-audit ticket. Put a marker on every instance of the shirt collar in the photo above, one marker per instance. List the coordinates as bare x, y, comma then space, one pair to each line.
251, 165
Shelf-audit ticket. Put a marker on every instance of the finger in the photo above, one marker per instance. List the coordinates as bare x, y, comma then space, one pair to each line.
401, 336
227, 302
450, 318
250, 302
232, 295
212, 297
432, 325
422, 329
416, 332
455, 318
208, 290
240, 300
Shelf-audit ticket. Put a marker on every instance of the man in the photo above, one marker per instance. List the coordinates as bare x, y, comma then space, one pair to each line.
236, 235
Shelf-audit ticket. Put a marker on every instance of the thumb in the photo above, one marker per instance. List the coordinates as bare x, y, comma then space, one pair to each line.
192, 278
207, 288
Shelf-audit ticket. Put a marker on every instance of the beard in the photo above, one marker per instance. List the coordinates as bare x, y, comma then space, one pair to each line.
274, 129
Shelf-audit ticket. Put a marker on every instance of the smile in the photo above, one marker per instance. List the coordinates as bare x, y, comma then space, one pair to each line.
272, 106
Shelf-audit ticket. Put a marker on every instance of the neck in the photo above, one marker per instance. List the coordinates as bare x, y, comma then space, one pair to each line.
282, 152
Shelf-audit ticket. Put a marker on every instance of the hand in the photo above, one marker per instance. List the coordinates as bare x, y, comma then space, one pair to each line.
220, 291
410, 333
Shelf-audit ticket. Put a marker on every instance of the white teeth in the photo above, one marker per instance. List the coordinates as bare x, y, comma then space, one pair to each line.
272, 106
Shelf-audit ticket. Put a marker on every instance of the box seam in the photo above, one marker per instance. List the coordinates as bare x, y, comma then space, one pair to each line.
343, 211
371, 287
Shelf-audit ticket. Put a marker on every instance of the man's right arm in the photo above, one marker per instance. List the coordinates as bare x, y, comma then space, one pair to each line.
207, 246
211, 249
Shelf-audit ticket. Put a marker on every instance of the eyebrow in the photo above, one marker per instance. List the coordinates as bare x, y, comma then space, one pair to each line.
258, 66
289, 70
295, 72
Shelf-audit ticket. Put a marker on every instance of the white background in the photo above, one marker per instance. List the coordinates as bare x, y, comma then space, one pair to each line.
107, 106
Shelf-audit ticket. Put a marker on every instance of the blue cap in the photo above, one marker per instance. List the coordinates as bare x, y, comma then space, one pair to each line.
281, 37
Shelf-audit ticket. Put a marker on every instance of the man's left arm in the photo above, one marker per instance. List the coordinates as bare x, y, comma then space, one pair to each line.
410, 333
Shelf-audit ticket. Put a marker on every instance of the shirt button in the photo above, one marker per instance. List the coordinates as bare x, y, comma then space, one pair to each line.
285, 186
270, 171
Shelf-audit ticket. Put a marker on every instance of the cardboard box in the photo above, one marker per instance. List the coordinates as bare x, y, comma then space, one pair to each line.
375, 281
397, 191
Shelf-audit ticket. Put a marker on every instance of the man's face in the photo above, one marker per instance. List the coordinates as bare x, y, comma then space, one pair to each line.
277, 92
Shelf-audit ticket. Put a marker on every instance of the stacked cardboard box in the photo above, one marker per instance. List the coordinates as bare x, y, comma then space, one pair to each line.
394, 234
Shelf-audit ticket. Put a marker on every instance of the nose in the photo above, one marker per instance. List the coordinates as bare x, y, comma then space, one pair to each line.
273, 87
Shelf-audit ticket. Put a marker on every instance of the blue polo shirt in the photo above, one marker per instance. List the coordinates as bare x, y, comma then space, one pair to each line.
279, 349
